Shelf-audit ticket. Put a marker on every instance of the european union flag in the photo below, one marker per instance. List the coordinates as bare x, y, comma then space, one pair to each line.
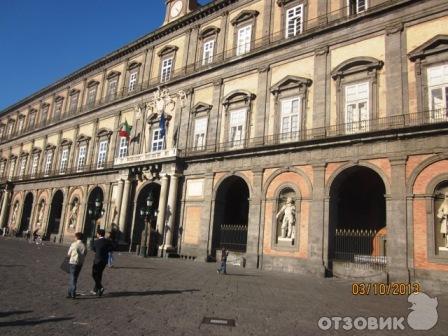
162, 125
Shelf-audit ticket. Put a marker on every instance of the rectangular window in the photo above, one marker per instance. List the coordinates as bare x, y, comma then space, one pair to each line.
64, 161
2, 168
207, 56
167, 65
290, 119
73, 102
356, 6
132, 80
22, 167
102, 152
157, 141
32, 120
200, 132
91, 96
48, 161
10, 128
20, 124
112, 87
2, 131
123, 147
34, 164
357, 108
294, 19
57, 109
81, 158
12, 167
237, 128
44, 115
438, 92
244, 39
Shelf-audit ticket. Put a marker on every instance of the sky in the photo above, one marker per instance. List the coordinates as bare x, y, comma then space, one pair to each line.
42, 41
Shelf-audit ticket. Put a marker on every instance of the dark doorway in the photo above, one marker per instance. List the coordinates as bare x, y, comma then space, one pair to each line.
26, 215
231, 215
139, 222
54, 221
90, 226
358, 217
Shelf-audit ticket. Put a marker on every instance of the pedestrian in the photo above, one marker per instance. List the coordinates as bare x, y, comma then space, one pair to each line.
223, 268
101, 247
76, 254
112, 238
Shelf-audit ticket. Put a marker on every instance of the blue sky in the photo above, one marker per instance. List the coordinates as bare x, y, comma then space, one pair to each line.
42, 41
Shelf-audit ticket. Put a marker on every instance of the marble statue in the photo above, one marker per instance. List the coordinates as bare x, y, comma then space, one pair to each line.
74, 214
289, 218
40, 215
14, 214
442, 214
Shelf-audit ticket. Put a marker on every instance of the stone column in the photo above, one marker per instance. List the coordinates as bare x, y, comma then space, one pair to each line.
317, 249
119, 198
254, 224
147, 67
262, 103
171, 212
267, 19
213, 120
394, 70
319, 113
206, 223
63, 217
124, 207
221, 42
396, 223
162, 206
5, 209
190, 57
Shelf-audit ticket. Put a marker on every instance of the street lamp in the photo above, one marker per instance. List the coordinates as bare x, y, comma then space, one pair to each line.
147, 212
95, 213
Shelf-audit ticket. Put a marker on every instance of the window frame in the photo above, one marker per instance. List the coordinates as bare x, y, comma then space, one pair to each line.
74, 101
112, 90
353, 7
244, 19
123, 151
207, 35
159, 141
167, 53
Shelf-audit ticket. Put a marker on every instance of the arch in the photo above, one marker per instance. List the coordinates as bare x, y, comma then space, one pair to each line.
278, 172
237, 96
55, 216
167, 50
25, 222
134, 65
208, 31
356, 64
419, 169
224, 177
112, 74
90, 224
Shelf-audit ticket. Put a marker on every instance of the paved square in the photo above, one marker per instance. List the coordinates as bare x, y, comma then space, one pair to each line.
172, 297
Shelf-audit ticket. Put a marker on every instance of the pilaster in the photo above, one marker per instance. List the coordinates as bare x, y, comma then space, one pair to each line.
394, 70
320, 86
255, 222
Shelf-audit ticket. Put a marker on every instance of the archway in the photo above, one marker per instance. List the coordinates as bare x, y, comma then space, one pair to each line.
26, 215
139, 221
54, 220
89, 225
358, 218
231, 215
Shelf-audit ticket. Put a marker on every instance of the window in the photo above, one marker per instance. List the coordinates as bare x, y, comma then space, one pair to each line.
2, 131
438, 91
2, 168
22, 167
10, 128
356, 6
167, 65
91, 95
73, 102
32, 120
81, 158
237, 128
57, 108
102, 152
34, 164
290, 119
132, 80
112, 87
294, 20
200, 131
20, 124
207, 56
357, 108
48, 162
157, 141
12, 167
44, 114
123, 147
64, 161
244, 39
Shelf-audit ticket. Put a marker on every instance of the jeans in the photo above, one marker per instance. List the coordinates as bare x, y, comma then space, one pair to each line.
74, 273
110, 259
223, 267
97, 274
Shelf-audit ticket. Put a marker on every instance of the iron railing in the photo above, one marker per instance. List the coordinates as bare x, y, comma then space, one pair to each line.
364, 247
233, 237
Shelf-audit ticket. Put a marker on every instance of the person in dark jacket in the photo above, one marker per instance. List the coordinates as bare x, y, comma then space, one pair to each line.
101, 247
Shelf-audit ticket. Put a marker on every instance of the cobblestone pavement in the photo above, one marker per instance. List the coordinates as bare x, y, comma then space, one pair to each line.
171, 297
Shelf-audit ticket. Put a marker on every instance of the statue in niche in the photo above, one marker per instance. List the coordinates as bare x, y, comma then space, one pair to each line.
289, 218
442, 214
74, 214
14, 214
40, 214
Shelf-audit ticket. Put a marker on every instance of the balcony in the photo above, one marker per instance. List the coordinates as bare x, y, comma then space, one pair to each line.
166, 154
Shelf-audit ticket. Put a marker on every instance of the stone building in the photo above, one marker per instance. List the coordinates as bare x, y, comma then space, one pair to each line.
302, 135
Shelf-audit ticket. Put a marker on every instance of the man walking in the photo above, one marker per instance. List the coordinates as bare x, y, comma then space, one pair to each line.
77, 253
101, 247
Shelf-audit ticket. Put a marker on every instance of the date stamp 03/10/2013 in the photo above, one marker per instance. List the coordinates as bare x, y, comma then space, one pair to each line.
381, 288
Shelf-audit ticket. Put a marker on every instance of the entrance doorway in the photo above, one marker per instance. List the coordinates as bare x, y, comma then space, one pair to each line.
90, 226
54, 221
231, 216
26, 215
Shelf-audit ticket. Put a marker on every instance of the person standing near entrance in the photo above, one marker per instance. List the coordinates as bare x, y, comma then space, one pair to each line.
76, 254
223, 268
101, 247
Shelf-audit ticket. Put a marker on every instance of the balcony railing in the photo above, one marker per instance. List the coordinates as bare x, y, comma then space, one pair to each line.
277, 38
146, 157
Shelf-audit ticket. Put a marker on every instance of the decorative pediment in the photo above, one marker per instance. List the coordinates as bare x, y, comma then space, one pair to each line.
355, 65
66, 142
244, 16
291, 82
82, 138
22, 116
32, 110
201, 107
50, 147
155, 118
45, 105
167, 50
437, 44
73, 92
92, 83
104, 132
112, 74
23, 153
209, 31
56, 99
283, 2
12, 156
36, 150
133, 65
238, 96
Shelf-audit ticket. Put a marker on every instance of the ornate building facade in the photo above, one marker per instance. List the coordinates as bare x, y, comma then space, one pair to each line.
302, 135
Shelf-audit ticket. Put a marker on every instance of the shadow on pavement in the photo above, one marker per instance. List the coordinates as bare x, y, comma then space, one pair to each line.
12, 265
126, 267
14, 312
28, 322
144, 293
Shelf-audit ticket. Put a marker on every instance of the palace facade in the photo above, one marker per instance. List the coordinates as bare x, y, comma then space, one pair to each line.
302, 135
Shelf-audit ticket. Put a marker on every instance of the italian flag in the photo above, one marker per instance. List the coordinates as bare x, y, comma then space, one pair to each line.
125, 130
